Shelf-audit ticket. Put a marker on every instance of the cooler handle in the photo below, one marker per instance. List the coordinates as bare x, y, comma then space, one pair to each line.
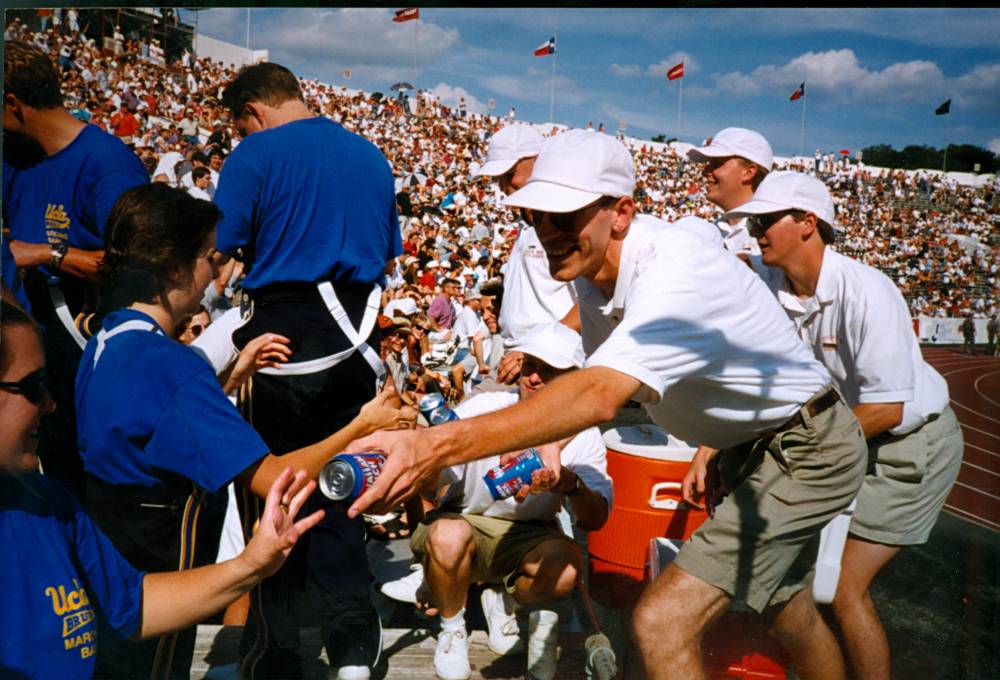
666, 504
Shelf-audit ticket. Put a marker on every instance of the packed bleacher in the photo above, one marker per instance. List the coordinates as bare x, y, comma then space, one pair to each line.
936, 239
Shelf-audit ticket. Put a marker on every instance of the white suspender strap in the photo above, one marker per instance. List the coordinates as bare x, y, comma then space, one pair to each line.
104, 335
356, 337
62, 311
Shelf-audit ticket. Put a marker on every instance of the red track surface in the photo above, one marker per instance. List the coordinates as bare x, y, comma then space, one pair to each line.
974, 383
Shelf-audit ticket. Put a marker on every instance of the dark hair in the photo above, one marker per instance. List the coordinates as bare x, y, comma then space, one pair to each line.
199, 172
151, 229
268, 83
450, 282
11, 315
29, 75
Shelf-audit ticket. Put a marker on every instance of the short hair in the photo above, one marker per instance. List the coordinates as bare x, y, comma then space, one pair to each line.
28, 74
151, 229
199, 173
758, 176
199, 157
826, 232
11, 314
450, 282
268, 83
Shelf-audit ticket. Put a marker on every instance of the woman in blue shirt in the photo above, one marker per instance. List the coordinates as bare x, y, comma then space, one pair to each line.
60, 573
155, 430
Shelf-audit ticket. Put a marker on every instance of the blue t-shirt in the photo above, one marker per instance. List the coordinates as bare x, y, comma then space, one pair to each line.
308, 201
58, 573
66, 197
153, 408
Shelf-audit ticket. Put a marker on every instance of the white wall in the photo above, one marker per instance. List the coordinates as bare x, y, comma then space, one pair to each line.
227, 53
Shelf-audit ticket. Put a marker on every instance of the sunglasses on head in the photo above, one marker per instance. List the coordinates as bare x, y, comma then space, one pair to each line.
757, 225
32, 386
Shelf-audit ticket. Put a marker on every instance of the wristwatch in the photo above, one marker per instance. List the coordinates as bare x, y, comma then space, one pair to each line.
59, 251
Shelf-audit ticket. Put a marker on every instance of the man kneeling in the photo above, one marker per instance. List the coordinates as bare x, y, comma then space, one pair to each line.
514, 542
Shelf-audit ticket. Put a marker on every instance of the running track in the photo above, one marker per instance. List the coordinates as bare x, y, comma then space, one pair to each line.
974, 383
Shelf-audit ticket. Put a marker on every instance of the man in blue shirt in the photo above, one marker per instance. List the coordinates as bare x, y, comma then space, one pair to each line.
310, 209
60, 179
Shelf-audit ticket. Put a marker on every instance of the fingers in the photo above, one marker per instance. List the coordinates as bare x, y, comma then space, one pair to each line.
307, 523
300, 494
277, 490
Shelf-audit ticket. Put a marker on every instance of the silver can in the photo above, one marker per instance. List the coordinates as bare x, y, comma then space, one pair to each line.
429, 402
336, 479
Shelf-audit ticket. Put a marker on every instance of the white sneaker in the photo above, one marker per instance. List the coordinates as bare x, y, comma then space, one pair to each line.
543, 636
451, 658
354, 673
505, 635
405, 589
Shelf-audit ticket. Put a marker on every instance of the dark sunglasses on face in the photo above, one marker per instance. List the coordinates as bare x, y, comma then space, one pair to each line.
567, 221
757, 225
32, 386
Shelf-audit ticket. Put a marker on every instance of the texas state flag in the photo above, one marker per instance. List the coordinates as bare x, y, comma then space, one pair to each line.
546, 48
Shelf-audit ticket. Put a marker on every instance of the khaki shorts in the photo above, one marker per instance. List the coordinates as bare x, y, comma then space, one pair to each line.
501, 544
901, 501
760, 547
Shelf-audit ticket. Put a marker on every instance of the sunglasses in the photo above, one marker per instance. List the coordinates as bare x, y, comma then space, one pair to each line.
757, 225
567, 221
32, 386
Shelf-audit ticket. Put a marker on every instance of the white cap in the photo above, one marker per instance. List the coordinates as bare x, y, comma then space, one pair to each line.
509, 146
557, 345
787, 190
736, 141
575, 169
473, 295
432, 264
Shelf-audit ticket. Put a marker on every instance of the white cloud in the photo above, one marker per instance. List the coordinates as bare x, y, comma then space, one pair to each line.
651, 122
535, 88
837, 74
626, 71
449, 95
660, 68
979, 89
353, 36
994, 146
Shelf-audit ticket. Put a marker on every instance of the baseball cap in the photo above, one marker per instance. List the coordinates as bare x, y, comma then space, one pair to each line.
575, 169
787, 190
509, 146
473, 295
734, 141
557, 345
432, 264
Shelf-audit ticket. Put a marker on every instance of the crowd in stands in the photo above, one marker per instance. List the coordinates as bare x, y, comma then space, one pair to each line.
935, 238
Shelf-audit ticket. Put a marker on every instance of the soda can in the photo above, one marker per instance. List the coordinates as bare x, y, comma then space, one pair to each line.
504, 481
429, 402
442, 414
348, 475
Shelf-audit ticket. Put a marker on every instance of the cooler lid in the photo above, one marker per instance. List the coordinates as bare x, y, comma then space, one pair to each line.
648, 441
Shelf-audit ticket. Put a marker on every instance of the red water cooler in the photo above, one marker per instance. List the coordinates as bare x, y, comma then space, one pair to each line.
647, 466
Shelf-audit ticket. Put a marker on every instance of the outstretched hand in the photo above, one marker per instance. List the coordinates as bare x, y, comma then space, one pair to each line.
264, 351
277, 531
407, 469
381, 412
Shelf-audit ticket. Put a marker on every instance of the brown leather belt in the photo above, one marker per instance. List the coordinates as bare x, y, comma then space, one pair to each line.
814, 406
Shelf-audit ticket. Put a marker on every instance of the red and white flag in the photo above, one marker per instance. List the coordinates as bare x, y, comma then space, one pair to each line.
407, 14
676, 72
546, 48
799, 93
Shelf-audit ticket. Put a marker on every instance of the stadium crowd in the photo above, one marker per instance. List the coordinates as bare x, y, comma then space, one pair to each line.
441, 308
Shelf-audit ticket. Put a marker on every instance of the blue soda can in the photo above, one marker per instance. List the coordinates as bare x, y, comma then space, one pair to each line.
504, 481
348, 475
429, 402
442, 414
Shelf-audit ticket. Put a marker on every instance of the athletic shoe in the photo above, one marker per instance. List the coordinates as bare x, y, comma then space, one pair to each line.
405, 589
451, 658
353, 638
498, 609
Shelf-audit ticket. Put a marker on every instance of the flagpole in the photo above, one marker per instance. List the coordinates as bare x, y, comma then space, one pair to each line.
680, 107
947, 122
552, 83
802, 131
416, 41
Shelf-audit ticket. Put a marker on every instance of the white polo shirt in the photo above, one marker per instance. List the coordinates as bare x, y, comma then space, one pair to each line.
531, 296
736, 238
858, 325
719, 359
585, 454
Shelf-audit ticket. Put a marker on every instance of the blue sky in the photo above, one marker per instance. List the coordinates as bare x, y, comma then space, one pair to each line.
872, 75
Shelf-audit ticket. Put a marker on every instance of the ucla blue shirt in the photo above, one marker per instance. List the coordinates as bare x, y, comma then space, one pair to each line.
150, 408
308, 201
66, 197
58, 573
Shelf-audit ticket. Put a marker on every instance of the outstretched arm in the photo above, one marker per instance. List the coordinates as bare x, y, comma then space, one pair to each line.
178, 599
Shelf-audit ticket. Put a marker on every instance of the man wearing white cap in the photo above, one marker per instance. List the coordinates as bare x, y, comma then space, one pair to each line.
701, 341
514, 542
857, 323
531, 296
736, 162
